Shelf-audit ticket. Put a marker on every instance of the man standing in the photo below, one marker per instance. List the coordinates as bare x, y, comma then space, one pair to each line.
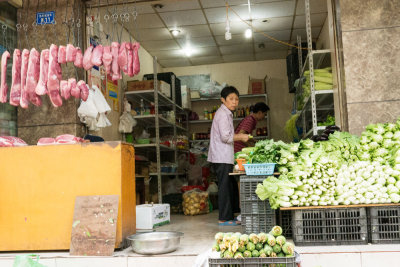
248, 124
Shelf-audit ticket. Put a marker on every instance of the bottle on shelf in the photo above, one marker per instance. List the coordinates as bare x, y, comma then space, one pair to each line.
142, 109
205, 114
152, 108
247, 111
251, 108
214, 110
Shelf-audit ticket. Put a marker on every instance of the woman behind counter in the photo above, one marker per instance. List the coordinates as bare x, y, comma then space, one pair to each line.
221, 155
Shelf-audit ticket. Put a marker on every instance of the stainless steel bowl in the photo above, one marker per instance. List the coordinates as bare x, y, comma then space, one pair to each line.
155, 242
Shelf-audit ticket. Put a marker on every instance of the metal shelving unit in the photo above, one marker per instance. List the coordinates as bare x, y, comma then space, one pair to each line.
320, 102
158, 122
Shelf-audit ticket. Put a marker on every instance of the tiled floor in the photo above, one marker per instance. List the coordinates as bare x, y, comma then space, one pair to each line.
198, 237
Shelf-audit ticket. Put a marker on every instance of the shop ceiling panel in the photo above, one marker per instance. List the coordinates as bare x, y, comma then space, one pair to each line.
143, 8
145, 21
236, 27
317, 20
271, 10
236, 39
206, 60
169, 6
270, 46
278, 54
221, 3
183, 18
194, 31
160, 45
218, 15
152, 34
316, 6
236, 49
174, 63
280, 35
238, 57
197, 42
302, 32
273, 24
169, 54
205, 51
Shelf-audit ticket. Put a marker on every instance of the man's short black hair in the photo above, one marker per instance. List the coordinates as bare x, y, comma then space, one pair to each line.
229, 90
260, 106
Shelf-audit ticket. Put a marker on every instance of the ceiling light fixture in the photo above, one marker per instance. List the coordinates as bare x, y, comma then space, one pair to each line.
188, 50
175, 32
228, 34
248, 33
158, 6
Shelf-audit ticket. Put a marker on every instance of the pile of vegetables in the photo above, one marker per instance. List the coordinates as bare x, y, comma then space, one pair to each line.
322, 81
262, 245
330, 120
344, 169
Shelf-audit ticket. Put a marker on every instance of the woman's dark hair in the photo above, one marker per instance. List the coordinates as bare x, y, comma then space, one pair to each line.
260, 106
229, 90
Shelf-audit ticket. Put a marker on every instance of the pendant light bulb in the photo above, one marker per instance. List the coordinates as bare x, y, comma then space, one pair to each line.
248, 33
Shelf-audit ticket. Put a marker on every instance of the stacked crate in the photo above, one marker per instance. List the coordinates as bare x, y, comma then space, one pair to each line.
384, 224
330, 226
257, 215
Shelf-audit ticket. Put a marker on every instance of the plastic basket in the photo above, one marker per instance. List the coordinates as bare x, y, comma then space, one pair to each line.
330, 226
385, 225
259, 168
253, 262
257, 215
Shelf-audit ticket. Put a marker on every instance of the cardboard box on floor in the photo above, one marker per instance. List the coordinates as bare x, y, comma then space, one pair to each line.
257, 86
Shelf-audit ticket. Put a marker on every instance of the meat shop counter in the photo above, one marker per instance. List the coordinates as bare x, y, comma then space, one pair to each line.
39, 184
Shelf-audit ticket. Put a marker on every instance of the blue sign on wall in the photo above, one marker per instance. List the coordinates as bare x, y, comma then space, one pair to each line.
45, 17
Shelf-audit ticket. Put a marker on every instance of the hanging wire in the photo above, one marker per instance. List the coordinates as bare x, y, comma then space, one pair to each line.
98, 13
68, 31
78, 23
19, 26
4, 27
25, 27
135, 14
34, 26
115, 19
259, 31
44, 27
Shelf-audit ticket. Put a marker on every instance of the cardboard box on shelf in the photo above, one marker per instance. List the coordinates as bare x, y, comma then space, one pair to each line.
162, 86
257, 86
149, 216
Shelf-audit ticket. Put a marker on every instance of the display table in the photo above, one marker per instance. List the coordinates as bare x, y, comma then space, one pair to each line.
39, 184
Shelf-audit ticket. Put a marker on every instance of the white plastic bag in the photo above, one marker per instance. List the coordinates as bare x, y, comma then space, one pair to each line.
126, 123
87, 112
102, 107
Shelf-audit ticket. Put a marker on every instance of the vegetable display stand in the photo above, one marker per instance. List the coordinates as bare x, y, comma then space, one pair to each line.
384, 224
253, 262
330, 226
257, 215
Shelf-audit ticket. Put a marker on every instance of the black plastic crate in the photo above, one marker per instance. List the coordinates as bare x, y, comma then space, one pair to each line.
253, 262
285, 221
330, 226
257, 215
384, 225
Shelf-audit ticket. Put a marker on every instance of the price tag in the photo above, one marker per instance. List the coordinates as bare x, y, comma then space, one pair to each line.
43, 18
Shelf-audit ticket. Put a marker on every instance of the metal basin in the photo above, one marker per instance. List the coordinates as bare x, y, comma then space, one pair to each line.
155, 242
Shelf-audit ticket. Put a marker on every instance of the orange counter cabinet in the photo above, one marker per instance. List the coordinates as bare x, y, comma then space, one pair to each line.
39, 184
